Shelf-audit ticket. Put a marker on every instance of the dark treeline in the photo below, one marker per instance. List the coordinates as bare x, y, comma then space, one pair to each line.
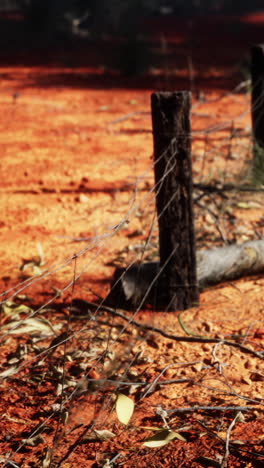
91, 17
64, 23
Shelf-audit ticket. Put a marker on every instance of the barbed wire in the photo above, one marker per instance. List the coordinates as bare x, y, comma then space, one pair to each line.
138, 200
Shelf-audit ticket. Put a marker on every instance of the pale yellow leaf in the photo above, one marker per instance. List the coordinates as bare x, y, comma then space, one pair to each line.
41, 254
8, 372
124, 408
31, 326
104, 434
243, 205
11, 308
36, 270
162, 438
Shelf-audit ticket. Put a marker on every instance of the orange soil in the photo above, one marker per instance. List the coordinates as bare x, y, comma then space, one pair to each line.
75, 142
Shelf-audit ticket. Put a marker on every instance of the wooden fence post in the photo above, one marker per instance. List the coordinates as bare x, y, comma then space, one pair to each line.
177, 284
257, 95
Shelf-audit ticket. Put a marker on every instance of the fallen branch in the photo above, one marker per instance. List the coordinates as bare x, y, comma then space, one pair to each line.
137, 284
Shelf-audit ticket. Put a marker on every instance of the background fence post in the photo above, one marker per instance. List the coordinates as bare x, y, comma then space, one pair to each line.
177, 285
257, 101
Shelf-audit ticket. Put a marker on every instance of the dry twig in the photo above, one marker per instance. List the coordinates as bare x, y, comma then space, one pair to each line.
191, 339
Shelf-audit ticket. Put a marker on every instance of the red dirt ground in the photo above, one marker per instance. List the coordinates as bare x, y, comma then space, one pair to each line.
76, 163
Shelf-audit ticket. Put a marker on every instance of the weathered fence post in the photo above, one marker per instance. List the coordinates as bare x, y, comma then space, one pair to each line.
177, 284
257, 96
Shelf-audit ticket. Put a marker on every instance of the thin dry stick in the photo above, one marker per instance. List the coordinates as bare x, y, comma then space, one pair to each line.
228, 433
209, 408
127, 116
151, 388
220, 188
191, 339
237, 448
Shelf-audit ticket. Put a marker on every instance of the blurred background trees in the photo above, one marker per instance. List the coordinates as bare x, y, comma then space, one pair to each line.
83, 17
119, 20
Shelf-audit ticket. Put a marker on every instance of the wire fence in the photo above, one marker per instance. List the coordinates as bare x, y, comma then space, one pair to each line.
81, 351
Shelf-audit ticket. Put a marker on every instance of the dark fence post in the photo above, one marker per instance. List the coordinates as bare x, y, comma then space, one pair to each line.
257, 101
177, 284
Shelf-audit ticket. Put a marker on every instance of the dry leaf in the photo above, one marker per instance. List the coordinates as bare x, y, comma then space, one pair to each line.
162, 438
33, 441
11, 308
244, 205
31, 326
46, 461
8, 372
103, 434
124, 408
